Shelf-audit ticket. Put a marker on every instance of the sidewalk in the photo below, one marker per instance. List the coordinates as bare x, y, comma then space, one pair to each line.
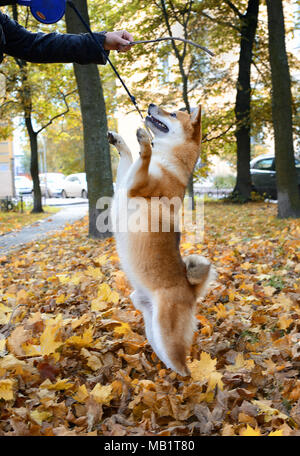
42, 228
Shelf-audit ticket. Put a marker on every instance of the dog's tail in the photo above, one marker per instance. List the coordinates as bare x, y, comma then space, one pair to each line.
200, 273
173, 326
172, 321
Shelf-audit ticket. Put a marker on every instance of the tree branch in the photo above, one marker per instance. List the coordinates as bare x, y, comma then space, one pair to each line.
57, 115
218, 21
235, 9
205, 138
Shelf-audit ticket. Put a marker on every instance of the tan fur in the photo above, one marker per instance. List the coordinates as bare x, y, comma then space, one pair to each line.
173, 283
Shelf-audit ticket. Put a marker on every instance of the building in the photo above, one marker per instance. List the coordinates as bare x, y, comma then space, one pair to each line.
6, 169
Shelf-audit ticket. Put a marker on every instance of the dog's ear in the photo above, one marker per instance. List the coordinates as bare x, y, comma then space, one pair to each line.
196, 122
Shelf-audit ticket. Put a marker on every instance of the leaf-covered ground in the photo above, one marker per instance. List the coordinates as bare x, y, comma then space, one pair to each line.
15, 221
74, 359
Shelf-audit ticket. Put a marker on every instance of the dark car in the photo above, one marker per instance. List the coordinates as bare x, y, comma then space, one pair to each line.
263, 175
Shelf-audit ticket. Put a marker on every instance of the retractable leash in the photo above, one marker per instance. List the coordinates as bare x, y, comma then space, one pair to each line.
51, 12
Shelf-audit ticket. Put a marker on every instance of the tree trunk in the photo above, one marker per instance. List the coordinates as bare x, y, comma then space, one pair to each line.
34, 166
25, 94
243, 98
286, 177
96, 147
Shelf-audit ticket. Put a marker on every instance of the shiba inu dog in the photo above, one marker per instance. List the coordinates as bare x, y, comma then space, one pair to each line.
166, 286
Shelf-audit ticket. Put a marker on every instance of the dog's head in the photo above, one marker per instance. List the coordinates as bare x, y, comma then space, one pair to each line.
176, 127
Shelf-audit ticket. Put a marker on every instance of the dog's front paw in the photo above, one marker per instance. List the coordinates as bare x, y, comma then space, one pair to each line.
142, 137
114, 138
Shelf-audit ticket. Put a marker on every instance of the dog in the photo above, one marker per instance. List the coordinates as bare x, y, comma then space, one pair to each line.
166, 286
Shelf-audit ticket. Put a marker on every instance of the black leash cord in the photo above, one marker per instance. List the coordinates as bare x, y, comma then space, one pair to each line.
132, 98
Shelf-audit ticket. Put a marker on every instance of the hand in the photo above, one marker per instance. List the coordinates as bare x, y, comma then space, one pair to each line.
118, 41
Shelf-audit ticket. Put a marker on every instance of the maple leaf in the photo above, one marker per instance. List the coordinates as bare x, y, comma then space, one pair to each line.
48, 342
250, 432
241, 363
268, 411
40, 416
106, 294
278, 433
82, 341
7, 389
102, 393
205, 371
5, 313
122, 330
81, 394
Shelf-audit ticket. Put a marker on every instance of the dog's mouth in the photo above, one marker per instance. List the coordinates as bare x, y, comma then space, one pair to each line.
158, 124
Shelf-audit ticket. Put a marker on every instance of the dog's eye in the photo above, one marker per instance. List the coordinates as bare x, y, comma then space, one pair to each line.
173, 114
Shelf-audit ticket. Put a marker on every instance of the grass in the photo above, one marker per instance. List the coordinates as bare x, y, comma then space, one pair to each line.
15, 221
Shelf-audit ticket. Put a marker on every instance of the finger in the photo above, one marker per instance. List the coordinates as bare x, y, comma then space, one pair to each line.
127, 36
122, 42
124, 48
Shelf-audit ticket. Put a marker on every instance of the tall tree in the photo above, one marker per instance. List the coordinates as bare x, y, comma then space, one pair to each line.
37, 103
248, 25
287, 186
96, 147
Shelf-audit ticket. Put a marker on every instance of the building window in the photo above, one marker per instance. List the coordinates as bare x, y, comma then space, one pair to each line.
4, 167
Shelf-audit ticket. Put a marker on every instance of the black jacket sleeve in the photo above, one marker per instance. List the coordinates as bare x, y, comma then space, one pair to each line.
50, 47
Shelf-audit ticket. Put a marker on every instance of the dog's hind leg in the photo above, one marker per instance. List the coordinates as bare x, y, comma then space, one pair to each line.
125, 155
143, 303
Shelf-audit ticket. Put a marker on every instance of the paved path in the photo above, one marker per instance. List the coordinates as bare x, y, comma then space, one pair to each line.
43, 228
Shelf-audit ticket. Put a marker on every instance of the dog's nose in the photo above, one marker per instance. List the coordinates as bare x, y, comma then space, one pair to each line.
151, 106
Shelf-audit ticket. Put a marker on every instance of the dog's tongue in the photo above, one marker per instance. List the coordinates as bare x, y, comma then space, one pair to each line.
158, 124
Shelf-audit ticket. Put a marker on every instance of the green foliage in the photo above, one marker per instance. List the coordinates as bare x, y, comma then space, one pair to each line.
224, 181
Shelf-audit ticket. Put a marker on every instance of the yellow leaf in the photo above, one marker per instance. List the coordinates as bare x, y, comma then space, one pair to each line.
250, 432
94, 272
22, 297
81, 394
269, 291
4, 314
278, 433
58, 386
6, 389
80, 321
102, 393
122, 330
10, 362
39, 417
61, 299
2, 347
205, 371
241, 363
82, 341
92, 360
284, 322
97, 305
268, 411
104, 292
101, 260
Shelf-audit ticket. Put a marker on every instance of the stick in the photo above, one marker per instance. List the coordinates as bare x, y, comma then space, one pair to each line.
174, 38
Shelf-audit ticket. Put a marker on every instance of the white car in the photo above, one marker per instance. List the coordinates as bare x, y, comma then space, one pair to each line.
23, 185
75, 185
54, 182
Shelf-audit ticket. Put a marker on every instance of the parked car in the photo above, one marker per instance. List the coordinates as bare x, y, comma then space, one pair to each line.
263, 174
54, 182
23, 185
75, 185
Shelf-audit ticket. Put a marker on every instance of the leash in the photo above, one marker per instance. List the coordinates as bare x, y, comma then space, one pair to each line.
106, 57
